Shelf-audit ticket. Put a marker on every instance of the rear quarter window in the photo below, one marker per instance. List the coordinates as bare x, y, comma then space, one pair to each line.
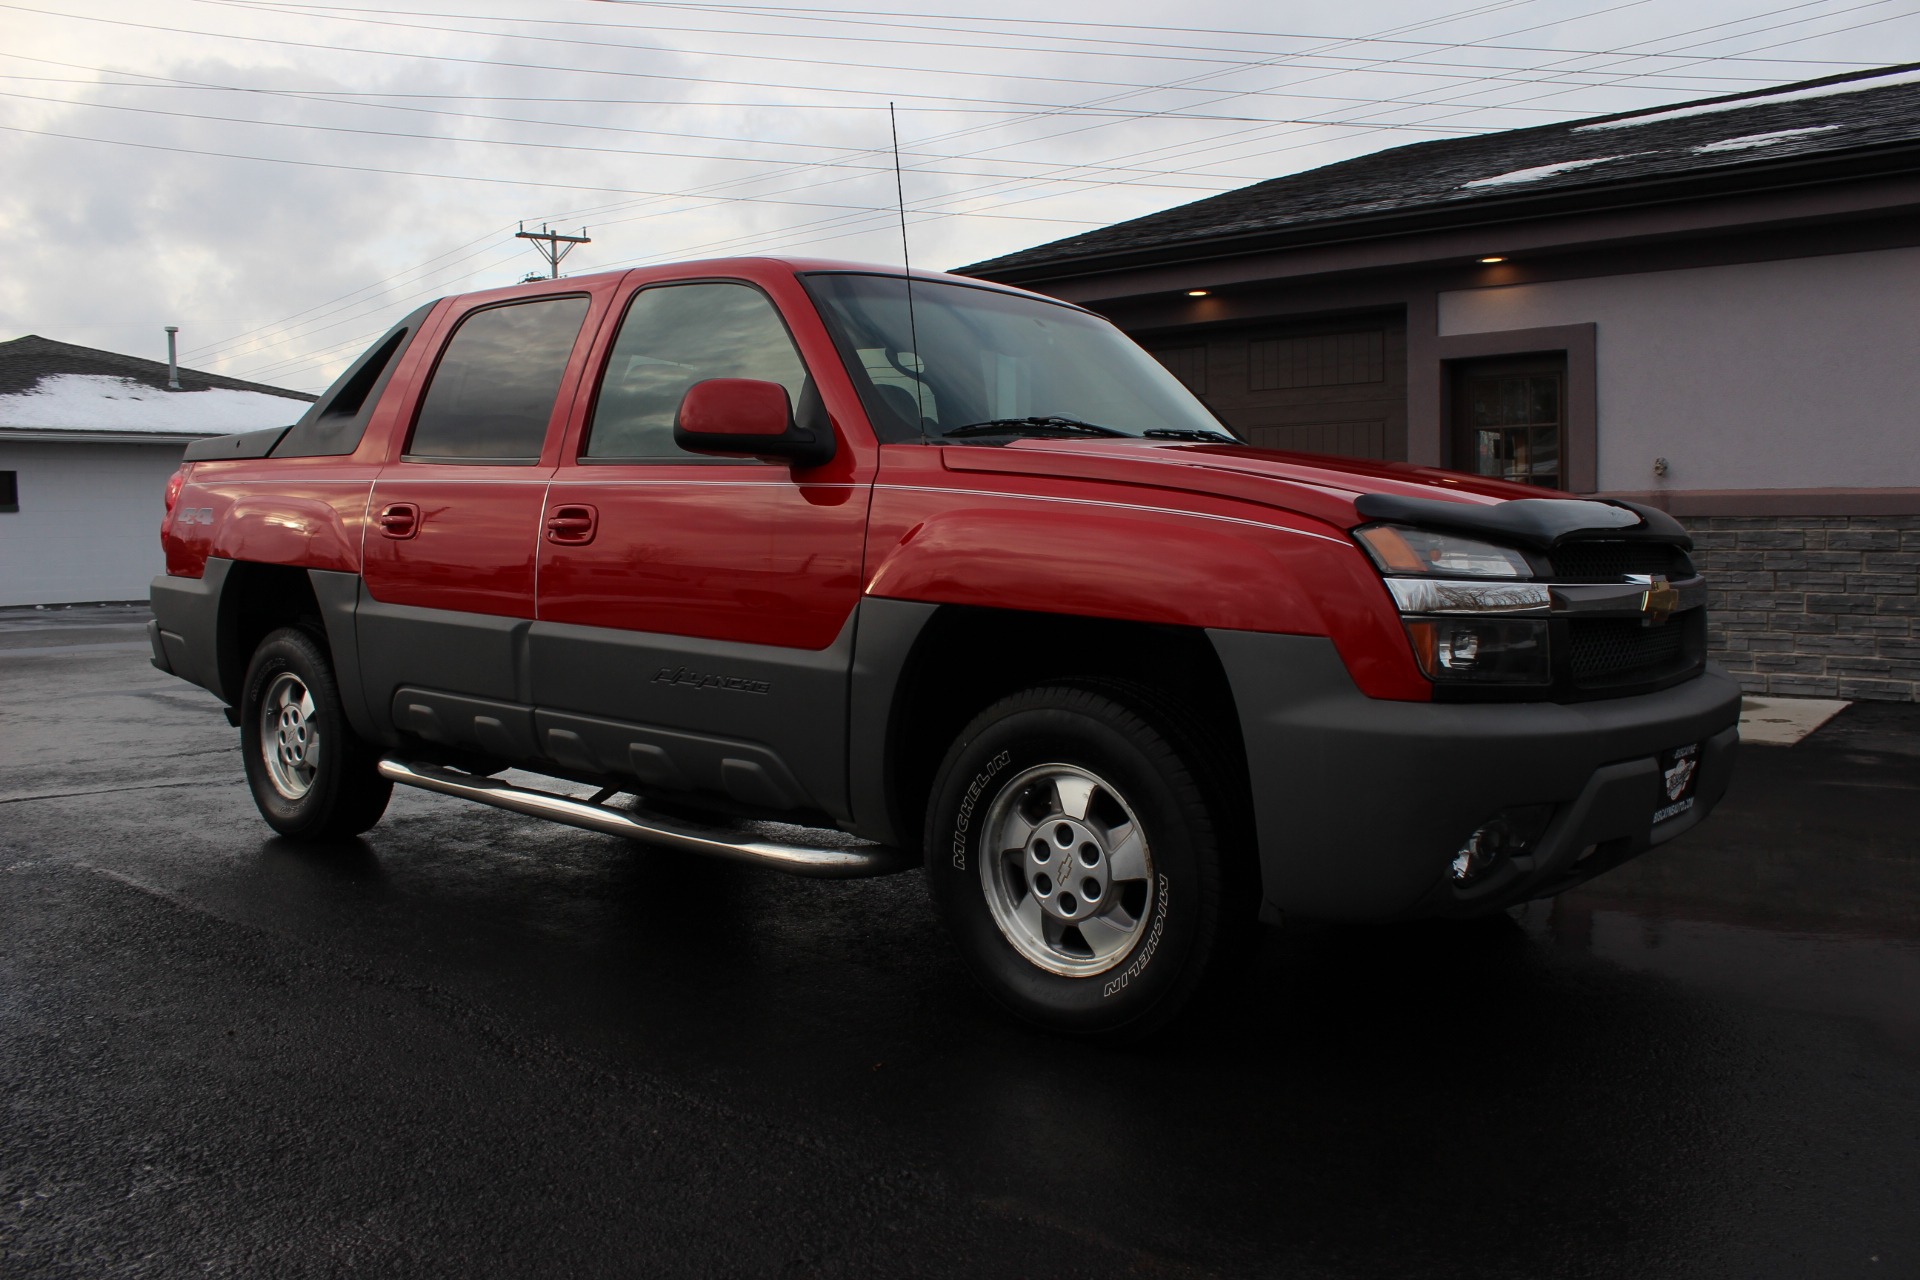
337, 422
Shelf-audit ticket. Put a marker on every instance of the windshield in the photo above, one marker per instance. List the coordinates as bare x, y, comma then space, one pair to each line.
980, 363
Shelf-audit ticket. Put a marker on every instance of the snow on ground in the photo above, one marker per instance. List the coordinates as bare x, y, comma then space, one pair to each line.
1749, 141
1538, 172
83, 401
1766, 100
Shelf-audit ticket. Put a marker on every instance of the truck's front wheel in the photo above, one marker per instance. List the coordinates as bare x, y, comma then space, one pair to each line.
1075, 848
311, 777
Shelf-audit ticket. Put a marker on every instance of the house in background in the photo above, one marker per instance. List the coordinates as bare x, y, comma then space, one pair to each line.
1713, 307
88, 439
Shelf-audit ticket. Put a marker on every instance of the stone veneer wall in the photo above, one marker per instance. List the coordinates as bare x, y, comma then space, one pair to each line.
1814, 606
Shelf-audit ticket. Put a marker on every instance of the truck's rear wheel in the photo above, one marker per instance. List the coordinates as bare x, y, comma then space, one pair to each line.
311, 777
1074, 846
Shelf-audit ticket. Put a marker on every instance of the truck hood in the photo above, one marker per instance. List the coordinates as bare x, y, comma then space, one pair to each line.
1343, 492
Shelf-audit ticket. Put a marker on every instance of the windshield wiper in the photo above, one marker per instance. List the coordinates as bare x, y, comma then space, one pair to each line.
1190, 433
1041, 425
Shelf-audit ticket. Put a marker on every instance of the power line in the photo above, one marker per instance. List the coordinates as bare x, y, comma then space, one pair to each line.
452, 177
338, 12
604, 71
169, 82
798, 14
544, 146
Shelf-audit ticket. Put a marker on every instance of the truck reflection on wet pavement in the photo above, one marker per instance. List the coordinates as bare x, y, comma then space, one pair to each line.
476, 1045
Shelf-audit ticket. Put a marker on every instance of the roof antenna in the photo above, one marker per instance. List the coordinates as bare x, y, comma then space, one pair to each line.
906, 259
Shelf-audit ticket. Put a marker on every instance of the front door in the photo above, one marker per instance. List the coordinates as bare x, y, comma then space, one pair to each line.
449, 561
695, 611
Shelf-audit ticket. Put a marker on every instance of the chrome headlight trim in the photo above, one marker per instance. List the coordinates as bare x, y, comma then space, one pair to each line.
1481, 596
1442, 596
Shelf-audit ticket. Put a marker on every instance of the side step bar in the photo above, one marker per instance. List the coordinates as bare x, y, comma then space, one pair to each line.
823, 861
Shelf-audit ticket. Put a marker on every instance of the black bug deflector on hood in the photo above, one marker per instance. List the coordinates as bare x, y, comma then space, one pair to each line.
1531, 522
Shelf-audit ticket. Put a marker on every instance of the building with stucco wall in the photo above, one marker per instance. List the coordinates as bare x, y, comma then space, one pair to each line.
1713, 307
88, 439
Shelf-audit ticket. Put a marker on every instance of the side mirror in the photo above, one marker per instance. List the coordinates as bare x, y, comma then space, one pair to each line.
744, 416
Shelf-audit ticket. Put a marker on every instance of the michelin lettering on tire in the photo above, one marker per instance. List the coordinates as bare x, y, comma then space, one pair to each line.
1151, 945
964, 819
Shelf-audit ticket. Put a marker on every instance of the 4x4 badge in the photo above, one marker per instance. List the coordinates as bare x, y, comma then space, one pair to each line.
1660, 600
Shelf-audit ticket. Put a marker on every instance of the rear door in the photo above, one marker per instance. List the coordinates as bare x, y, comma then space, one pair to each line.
449, 561
695, 612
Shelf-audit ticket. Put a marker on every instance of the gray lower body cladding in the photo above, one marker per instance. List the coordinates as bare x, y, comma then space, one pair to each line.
185, 630
1360, 804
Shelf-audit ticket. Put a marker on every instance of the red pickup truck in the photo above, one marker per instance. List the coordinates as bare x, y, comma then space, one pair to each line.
842, 570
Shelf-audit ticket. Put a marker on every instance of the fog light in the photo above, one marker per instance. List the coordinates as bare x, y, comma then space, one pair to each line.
1459, 648
1508, 834
1467, 650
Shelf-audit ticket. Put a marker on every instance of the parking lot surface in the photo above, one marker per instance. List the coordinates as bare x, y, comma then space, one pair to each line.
476, 1045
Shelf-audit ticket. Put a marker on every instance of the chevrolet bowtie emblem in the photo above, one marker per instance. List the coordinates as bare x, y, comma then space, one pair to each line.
1660, 600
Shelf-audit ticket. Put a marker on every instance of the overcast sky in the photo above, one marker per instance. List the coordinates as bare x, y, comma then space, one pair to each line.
285, 180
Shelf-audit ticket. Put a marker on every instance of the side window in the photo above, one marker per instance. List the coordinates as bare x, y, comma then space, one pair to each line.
492, 395
672, 337
337, 422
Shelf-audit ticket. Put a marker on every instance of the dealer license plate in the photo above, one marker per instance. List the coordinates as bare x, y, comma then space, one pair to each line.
1679, 773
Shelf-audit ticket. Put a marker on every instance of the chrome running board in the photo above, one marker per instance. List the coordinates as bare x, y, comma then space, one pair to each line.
825, 861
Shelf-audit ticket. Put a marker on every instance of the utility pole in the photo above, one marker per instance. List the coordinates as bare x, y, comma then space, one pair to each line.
551, 245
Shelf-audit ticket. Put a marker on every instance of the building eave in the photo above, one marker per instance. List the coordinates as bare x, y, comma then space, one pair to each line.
56, 435
1482, 214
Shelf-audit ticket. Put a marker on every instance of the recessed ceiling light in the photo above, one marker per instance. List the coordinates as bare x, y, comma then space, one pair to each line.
1493, 259
1196, 293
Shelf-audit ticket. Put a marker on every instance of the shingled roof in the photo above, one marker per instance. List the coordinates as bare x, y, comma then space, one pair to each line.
1871, 116
25, 361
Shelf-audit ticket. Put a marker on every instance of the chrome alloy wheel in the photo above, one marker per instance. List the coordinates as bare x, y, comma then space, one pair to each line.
289, 738
1066, 869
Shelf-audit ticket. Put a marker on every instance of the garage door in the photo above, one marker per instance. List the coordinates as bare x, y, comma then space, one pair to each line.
1335, 386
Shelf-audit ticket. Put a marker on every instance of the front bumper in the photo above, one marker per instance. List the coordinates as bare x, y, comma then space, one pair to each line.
1360, 804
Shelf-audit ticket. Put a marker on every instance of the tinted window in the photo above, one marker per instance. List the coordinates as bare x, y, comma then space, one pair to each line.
986, 356
674, 336
493, 393
336, 423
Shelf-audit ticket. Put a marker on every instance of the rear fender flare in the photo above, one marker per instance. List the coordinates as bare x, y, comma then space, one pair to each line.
287, 531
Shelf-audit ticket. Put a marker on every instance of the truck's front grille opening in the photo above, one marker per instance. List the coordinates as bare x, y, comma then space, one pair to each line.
1611, 653
1602, 561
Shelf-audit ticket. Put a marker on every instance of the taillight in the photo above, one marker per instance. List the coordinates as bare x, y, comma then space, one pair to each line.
176, 482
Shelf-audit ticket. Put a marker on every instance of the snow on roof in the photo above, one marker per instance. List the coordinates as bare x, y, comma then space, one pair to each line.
1538, 172
1748, 142
1759, 100
99, 402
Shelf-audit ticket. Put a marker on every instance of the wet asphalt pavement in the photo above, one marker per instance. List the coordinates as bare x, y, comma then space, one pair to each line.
477, 1045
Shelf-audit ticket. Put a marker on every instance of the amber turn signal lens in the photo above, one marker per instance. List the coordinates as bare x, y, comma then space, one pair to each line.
1391, 549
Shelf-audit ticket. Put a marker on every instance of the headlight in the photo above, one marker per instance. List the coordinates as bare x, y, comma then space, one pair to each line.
1468, 619
1398, 549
